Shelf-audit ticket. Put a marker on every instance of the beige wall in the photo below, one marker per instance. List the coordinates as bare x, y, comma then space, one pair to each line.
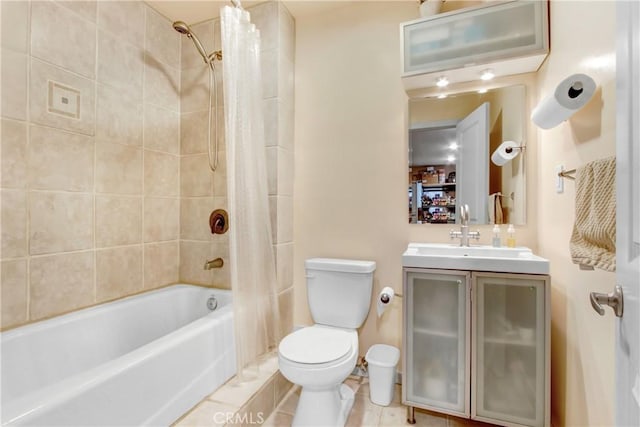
351, 154
90, 208
582, 341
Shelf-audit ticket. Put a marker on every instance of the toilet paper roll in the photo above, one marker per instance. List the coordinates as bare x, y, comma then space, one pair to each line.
384, 299
506, 152
571, 94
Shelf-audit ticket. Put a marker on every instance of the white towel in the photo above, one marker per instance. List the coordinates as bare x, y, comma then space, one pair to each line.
593, 241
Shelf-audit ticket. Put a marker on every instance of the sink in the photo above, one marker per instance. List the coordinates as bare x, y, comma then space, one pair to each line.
476, 258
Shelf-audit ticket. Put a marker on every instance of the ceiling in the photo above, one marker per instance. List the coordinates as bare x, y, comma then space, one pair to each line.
195, 11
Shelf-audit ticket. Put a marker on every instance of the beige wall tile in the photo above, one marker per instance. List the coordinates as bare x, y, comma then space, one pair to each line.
285, 172
118, 169
15, 25
286, 32
60, 160
161, 129
118, 272
220, 248
270, 111
265, 17
194, 218
196, 178
120, 64
160, 264
41, 73
284, 265
14, 223
285, 219
119, 116
269, 62
286, 83
271, 157
193, 255
194, 95
86, 9
60, 283
285, 306
14, 83
193, 132
61, 37
161, 219
220, 175
118, 220
14, 154
124, 19
190, 56
286, 123
162, 41
161, 174
14, 292
161, 84
60, 222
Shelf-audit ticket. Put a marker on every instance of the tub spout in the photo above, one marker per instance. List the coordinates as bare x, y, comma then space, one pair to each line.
214, 263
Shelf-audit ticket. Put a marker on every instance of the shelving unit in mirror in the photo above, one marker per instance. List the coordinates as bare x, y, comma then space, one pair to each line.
434, 188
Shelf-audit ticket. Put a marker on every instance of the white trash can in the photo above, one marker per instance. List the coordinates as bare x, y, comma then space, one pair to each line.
382, 360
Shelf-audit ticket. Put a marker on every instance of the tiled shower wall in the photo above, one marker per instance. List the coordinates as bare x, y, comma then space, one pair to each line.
203, 191
117, 201
90, 205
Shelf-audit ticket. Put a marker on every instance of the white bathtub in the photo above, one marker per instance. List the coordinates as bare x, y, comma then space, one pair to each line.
143, 360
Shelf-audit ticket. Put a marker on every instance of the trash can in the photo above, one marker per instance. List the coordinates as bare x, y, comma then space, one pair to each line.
382, 360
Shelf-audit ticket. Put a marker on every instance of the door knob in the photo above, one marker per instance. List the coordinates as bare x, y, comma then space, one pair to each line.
614, 300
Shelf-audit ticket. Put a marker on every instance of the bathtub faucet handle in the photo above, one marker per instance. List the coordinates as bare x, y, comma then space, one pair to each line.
214, 263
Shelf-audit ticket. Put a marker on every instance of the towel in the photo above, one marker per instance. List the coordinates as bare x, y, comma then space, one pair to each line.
495, 208
593, 241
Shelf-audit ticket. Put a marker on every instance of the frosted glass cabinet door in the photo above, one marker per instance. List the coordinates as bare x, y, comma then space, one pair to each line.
476, 36
436, 347
509, 348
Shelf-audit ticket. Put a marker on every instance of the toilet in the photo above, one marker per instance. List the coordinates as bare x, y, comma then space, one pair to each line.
320, 357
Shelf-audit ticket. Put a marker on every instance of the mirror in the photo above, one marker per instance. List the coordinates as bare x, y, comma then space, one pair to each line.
451, 142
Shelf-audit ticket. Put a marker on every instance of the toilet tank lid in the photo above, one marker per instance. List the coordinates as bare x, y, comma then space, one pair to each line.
342, 265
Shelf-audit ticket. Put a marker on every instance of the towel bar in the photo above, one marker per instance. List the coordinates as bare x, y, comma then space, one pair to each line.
567, 174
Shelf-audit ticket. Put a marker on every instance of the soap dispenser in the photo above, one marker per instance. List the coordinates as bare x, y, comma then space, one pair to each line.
496, 236
511, 236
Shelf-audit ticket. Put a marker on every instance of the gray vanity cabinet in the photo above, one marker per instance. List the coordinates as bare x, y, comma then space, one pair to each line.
476, 345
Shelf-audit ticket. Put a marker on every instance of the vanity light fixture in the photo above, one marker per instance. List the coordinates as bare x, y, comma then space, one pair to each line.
442, 81
487, 74
483, 90
451, 158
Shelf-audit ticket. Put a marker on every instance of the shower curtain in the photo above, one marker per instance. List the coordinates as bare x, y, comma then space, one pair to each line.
252, 264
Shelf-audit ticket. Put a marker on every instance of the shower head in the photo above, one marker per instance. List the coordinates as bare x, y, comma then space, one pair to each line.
183, 28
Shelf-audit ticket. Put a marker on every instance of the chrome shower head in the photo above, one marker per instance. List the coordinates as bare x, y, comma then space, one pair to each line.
183, 28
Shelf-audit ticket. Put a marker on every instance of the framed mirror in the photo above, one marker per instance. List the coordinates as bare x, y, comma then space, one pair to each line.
451, 144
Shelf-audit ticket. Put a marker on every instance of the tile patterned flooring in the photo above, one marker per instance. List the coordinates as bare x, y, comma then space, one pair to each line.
365, 413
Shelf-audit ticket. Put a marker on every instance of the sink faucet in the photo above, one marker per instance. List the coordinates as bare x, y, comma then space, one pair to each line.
464, 234
214, 263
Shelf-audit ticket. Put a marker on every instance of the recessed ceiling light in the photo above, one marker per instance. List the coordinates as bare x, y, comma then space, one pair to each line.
487, 74
483, 90
442, 96
442, 81
451, 159
453, 146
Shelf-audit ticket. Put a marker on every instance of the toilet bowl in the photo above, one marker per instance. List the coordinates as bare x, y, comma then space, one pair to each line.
319, 358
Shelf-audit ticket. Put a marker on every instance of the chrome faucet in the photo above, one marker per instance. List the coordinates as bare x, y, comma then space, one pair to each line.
214, 263
464, 234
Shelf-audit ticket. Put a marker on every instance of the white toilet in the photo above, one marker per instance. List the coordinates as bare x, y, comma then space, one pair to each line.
320, 357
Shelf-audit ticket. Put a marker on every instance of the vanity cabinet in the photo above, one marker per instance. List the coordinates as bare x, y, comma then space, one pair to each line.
476, 345
509, 37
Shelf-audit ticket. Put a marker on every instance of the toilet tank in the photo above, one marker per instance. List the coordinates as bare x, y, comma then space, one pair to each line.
339, 291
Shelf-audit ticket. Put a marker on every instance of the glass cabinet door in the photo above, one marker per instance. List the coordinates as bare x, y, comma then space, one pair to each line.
476, 36
436, 350
509, 348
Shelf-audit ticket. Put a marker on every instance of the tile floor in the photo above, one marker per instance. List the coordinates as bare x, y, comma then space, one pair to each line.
365, 413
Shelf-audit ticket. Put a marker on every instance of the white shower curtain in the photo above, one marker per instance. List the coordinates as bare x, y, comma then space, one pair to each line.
252, 264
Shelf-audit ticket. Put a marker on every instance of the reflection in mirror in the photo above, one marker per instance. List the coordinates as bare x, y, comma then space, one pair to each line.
451, 141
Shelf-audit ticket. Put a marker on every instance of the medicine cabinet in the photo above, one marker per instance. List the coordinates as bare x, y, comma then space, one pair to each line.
508, 38
476, 345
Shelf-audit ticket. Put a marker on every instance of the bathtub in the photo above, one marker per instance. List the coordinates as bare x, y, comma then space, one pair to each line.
143, 360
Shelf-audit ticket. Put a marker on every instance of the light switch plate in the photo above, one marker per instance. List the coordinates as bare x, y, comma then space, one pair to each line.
63, 100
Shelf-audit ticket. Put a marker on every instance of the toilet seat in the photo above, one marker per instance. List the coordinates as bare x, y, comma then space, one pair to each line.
316, 345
